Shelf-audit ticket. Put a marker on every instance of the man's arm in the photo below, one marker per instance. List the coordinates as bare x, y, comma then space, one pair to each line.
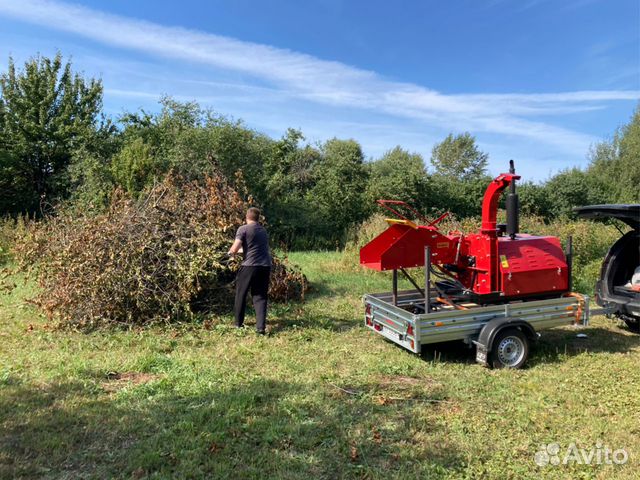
236, 247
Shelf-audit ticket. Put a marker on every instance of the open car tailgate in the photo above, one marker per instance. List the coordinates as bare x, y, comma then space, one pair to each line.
627, 213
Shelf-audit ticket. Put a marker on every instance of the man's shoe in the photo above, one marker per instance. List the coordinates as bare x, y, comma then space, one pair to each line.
261, 332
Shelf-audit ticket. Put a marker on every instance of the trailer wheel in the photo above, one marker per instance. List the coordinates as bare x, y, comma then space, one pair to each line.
510, 349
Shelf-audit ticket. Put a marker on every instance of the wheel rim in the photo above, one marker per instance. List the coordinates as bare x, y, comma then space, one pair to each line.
510, 351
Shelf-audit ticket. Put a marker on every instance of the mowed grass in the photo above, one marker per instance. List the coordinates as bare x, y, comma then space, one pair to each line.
321, 397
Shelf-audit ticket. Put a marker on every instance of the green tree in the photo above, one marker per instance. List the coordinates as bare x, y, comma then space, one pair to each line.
572, 188
289, 174
90, 176
133, 166
534, 199
92, 181
398, 175
192, 142
460, 197
281, 177
46, 113
616, 163
459, 157
338, 197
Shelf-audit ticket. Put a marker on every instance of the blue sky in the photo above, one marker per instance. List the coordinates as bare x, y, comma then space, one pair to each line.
534, 80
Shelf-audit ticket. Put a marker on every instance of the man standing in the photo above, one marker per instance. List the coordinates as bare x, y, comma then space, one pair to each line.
253, 241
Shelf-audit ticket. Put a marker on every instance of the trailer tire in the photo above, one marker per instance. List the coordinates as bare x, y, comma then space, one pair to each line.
510, 349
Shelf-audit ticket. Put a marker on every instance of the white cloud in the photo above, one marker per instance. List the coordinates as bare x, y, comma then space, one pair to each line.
302, 76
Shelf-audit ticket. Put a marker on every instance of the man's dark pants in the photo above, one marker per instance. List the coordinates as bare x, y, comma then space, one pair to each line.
256, 279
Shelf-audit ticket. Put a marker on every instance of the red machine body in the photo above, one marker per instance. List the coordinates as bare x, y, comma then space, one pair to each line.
486, 264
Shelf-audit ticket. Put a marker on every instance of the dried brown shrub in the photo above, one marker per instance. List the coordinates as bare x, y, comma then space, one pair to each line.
157, 258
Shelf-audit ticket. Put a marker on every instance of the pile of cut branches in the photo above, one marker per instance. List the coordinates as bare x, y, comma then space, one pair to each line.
159, 258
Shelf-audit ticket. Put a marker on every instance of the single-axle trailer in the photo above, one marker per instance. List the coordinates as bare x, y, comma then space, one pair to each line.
502, 334
495, 288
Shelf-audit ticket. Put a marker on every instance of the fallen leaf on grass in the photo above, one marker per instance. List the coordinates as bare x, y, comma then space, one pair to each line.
138, 473
452, 409
354, 453
377, 437
214, 447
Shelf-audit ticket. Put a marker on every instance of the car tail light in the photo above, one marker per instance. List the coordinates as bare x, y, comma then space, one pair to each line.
378, 327
410, 330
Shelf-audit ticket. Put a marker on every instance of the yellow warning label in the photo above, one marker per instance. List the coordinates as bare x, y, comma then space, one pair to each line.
442, 245
504, 261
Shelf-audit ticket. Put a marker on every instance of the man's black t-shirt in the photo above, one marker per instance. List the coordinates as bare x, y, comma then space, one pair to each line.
255, 245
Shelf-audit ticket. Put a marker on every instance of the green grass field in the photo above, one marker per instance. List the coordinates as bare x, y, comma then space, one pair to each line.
321, 397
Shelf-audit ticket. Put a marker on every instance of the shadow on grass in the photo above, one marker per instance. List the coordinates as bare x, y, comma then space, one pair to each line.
332, 289
553, 346
291, 316
262, 429
323, 288
456, 351
325, 321
355, 284
317, 311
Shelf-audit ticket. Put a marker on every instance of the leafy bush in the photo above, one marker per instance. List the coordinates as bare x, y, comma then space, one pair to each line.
156, 258
359, 235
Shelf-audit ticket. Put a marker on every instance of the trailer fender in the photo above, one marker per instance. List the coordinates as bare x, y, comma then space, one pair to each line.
494, 327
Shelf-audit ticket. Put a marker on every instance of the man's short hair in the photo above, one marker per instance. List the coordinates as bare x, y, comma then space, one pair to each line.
253, 214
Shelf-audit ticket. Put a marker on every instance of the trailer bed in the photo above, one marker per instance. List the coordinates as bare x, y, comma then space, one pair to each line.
410, 330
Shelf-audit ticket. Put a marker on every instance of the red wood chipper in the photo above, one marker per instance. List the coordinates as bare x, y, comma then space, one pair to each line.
497, 265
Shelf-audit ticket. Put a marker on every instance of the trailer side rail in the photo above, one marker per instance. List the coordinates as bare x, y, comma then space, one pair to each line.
412, 330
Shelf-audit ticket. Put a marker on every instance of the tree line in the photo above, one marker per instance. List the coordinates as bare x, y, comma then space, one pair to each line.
57, 147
